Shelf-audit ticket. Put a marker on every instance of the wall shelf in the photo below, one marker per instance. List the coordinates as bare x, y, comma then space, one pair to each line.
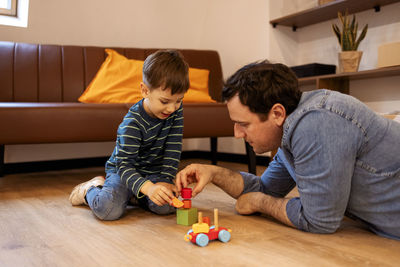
340, 82
328, 11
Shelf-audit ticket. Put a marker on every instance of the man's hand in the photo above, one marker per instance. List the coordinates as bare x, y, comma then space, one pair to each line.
229, 181
159, 193
252, 202
195, 173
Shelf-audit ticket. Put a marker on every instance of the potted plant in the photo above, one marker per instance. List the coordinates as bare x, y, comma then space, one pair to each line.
349, 58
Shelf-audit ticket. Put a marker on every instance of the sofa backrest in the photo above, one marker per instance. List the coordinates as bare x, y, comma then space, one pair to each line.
60, 73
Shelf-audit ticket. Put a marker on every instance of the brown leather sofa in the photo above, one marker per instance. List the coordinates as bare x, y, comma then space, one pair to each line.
40, 85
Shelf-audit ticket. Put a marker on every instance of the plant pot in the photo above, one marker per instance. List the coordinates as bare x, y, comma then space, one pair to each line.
349, 61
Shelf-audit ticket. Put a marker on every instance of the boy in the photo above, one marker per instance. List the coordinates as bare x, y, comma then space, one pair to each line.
145, 159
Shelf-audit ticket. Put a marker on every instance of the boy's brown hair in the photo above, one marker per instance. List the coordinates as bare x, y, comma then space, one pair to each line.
166, 69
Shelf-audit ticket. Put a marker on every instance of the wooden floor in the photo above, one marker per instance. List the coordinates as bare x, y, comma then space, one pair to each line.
39, 227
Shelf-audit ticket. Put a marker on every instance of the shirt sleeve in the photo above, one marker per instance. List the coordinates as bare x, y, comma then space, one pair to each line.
173, 147
324, 155
127, 149
275, 181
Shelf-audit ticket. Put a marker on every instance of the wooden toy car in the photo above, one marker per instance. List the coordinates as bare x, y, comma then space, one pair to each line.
201, 233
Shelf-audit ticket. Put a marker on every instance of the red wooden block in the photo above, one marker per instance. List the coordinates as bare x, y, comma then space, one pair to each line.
186, 193
187, 203
206, 220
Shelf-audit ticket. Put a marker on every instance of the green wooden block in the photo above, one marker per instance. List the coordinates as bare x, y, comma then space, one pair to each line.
186, 216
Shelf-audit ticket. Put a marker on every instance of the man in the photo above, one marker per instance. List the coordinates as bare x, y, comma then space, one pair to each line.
343, 157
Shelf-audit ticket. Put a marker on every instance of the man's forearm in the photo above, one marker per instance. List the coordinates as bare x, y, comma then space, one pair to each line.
232, 183
275, 207
229, 181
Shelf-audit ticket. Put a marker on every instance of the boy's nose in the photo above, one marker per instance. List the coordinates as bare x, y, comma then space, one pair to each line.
171, 108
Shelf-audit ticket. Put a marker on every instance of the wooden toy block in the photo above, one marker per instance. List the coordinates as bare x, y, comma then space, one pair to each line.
187, 203
186, 216
200, 227
216, 219
206, 220
177, 203
186, 192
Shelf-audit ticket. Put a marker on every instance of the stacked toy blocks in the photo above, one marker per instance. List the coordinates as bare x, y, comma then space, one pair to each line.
187, 215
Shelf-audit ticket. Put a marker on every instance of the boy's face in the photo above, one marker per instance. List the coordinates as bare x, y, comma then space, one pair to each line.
160, 103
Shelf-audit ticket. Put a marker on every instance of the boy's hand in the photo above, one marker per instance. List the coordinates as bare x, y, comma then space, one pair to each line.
171, 187
159, 193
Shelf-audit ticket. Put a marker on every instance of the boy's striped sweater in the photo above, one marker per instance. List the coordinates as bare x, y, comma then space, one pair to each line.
146, 148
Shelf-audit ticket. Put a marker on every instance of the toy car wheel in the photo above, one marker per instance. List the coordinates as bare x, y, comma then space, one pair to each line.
187, 238
202, 240
224, 236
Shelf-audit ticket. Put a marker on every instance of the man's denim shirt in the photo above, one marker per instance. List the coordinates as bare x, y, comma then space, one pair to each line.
344, 158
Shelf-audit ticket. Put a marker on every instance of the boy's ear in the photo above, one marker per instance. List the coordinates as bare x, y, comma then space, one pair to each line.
278, 113
144, 89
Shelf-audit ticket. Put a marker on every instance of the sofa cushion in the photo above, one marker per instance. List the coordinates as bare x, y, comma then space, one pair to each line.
118, 81
198, 91
36, 123
206, 120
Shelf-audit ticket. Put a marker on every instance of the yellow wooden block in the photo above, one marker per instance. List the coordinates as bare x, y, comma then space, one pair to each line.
200, 228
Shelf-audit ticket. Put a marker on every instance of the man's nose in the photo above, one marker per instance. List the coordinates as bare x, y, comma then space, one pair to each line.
238, 132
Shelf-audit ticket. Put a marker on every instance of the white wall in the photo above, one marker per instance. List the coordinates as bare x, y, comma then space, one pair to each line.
238, 29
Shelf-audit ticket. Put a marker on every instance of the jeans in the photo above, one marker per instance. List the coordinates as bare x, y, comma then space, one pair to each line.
109, 202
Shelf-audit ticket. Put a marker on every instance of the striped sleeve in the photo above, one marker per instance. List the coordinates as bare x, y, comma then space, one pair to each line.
128, 143
173, 147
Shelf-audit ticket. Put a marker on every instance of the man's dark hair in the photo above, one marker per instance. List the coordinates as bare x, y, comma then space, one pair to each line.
262, 84
166, 69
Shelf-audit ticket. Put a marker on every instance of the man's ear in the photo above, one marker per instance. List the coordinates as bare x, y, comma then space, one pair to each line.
144, 89
278, 113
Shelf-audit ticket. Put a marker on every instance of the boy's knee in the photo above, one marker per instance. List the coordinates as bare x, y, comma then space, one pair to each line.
108, 206
109, 214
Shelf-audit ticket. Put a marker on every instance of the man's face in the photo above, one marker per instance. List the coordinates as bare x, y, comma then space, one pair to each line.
160, 103
263, 136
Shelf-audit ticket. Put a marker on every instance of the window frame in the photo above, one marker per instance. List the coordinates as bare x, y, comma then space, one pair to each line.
21, 17
12, 11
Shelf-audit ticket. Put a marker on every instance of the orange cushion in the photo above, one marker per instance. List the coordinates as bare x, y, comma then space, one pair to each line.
198, 90
195, 96
118, 81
